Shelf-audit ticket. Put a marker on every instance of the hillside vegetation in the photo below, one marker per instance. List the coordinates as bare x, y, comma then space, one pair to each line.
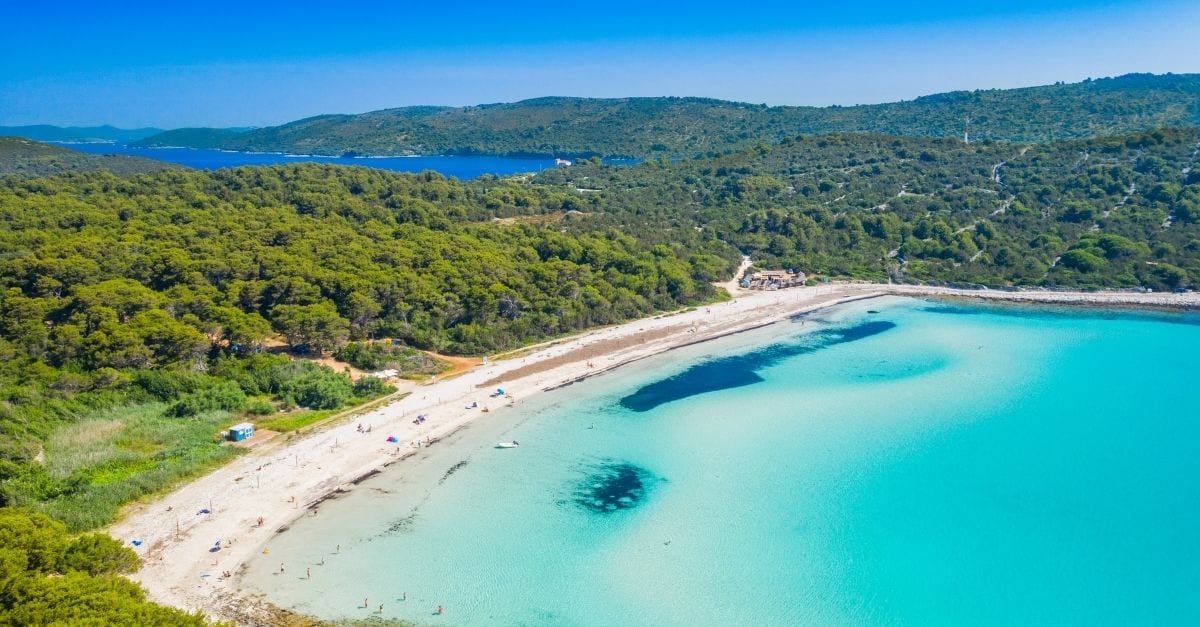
1108, 212
22, 157
687, 127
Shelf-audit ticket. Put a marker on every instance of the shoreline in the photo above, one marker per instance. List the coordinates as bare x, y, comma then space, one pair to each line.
291, 477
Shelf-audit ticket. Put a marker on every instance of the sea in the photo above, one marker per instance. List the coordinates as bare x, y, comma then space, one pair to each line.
893, 461
461, 167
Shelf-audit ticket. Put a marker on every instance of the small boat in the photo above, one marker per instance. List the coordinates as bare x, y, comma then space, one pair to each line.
513, 444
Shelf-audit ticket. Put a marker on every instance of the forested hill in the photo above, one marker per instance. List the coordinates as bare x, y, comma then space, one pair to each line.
686, 127
1107, 212
49, 133
22, 157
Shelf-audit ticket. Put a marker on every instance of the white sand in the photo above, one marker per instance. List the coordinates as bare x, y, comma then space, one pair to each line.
281, 479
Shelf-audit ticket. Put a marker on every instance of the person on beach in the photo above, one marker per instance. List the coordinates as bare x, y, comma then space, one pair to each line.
308, 573
338, 549
281, 567
439, 610
365, 604
380, 608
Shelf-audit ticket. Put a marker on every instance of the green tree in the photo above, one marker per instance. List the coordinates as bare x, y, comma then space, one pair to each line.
316, 327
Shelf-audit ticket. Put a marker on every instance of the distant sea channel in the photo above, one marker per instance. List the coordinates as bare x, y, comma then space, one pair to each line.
885, 462
462, 167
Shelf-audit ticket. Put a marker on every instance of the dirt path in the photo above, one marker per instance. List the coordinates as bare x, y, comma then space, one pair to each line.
458, 365
733, 285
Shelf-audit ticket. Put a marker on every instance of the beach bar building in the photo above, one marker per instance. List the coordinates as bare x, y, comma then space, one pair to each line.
241, 431
773, 280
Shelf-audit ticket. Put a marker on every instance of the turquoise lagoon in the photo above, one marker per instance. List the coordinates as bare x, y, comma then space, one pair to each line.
893, 461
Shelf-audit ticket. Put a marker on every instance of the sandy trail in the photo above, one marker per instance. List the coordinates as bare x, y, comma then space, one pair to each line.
280, 481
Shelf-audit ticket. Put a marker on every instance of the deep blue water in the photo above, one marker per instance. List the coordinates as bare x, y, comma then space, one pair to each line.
733, 371
460, 167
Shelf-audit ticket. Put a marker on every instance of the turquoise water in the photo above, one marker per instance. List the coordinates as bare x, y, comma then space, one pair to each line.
925, 464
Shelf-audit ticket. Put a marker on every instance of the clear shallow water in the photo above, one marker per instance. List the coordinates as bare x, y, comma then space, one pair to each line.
927, 464
460, 167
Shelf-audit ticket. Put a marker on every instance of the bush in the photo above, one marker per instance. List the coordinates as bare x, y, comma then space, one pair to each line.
1081, 260
34, 548
259, 407
322, 389
379, 355
257, 373
370, 387
80, 599
97, 554
167, 385
38, 539
226, 395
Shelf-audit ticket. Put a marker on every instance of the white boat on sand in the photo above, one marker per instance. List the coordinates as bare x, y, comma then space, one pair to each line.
513, 444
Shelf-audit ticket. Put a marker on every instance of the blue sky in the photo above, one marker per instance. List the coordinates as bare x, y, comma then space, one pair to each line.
257, 63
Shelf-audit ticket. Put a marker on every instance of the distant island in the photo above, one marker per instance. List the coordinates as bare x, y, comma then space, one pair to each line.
19, 156
81, 134
671, 127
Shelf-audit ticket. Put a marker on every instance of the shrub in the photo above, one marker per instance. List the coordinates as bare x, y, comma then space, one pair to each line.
226, 395
369, 387
39, 539
380, 355
166, 385
322, 389
35, 548
1081, 260
259, 407
97, 554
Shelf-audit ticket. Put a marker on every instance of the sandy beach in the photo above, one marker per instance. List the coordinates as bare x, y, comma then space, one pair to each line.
193, 535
